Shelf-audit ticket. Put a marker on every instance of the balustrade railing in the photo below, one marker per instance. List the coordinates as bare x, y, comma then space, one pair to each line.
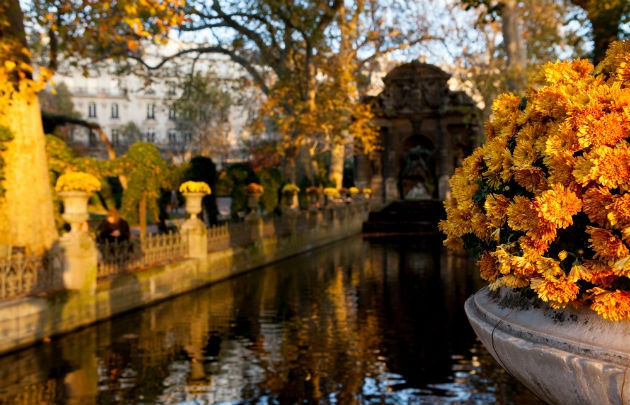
22, 275
218, 237
136, 254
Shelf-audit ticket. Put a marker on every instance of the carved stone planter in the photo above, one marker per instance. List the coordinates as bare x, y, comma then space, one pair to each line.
569, 356
193, 203
75, 208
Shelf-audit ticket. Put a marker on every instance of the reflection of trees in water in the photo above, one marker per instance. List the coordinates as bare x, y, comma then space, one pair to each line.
358, 322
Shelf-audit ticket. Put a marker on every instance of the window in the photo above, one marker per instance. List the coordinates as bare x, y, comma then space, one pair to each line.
187, 137
92, 138
151, 136
172, 137
172, 114
151, 111
115, 137
92, 110
115, 110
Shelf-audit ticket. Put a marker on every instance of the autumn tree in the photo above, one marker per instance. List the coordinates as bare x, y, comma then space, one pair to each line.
64, 27
292, 52
480, 56
202, 115
606, 18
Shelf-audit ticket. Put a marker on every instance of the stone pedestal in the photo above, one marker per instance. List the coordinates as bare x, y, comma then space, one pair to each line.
197, 237
193, 228
253, 201
568, 356
255, 223
80, 267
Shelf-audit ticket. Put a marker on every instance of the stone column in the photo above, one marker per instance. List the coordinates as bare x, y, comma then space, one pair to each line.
193, 228
80, 257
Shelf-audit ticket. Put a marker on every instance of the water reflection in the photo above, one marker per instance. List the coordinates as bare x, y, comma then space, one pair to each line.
355, 323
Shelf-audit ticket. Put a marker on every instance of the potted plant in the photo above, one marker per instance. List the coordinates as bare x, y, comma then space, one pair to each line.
330, 193
544, 207
193, 192
75, 189
289, 194
254, 192
313, 196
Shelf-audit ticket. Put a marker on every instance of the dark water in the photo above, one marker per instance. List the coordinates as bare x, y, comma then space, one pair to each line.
357, 322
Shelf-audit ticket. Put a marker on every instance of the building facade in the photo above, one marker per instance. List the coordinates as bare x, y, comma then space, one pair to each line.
130, 108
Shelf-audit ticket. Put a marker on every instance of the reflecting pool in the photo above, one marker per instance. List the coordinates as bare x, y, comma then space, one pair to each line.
357, 322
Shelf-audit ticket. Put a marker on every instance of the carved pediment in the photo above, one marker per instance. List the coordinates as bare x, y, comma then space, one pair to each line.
414, 87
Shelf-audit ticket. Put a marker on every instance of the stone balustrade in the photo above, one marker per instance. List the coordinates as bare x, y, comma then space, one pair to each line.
76, 284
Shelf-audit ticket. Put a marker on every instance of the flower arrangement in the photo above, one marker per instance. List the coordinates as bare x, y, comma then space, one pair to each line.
290, 189
194, 187
77, 181
255, 188
312, 190
331, 192
544, 204
353, 190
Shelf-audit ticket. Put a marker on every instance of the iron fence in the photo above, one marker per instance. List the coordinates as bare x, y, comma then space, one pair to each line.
136, 254
22, 275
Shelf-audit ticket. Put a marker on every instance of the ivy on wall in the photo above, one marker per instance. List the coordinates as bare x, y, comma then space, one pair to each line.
5, 137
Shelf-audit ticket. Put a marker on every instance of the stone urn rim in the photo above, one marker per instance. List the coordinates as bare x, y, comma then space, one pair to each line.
550, 350
74, 192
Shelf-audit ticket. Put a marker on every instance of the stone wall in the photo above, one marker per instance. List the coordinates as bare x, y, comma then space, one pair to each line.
30, 320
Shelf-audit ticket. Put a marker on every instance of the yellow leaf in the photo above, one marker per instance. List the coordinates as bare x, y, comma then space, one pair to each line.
9, 65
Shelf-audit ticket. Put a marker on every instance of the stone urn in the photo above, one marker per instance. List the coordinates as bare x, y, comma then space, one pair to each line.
289, 200
253, 201
75, 208
564, 356
193, 203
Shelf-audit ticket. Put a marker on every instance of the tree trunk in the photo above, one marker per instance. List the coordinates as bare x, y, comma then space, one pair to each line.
336, 165
514, 45
142, 214
26, 210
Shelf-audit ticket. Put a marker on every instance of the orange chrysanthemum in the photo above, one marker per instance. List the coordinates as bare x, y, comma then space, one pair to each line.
606, 245
558, 205
561, 150
522, 215
613, 166
557, 291
613, 305
595, 203
496, 206
488, 267
531, 178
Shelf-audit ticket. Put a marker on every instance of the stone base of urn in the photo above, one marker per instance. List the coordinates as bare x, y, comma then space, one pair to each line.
566, 356
80, 262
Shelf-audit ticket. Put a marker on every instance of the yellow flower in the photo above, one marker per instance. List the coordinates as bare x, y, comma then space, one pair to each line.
331, 191
77, 181
194, 187
496, 206
557, 291
488, 267
613, 305
522, 215
255, 188
531, 178
606, 244
596, 201
558, 205
545, 201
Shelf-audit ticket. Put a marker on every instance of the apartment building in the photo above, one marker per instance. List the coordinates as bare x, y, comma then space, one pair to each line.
114, 101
